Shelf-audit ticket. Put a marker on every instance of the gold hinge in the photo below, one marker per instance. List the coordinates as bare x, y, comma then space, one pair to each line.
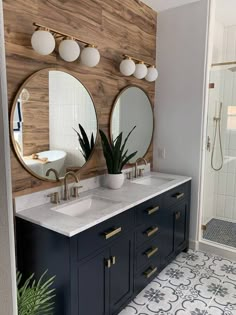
204, 227
211, 85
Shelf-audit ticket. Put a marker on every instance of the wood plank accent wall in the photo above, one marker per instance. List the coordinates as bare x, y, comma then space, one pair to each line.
36, 116
116, 26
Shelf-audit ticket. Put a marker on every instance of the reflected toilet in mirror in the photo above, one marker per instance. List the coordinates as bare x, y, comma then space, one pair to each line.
133, 107
53, 124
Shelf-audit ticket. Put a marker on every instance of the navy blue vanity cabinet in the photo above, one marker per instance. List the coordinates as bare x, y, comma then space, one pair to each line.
102, 268
161, 233
176, 222
105, 279
94, 270
148, 241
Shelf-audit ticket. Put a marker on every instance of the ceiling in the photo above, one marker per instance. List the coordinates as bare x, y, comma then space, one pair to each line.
161, 5
226, 12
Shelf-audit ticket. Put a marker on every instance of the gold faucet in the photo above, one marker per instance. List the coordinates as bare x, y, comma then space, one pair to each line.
66, 191
55, 173
136, 166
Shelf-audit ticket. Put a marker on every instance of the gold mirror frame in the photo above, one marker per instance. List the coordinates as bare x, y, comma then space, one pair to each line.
152, 109
14, 144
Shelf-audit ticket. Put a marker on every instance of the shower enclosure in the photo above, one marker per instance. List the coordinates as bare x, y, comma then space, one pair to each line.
219, 174
219, 213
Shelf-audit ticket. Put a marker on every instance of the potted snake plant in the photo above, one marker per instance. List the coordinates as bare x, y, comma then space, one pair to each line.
35, 297
116, 156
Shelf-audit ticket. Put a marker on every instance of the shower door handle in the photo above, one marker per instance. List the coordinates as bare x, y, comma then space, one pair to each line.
208, 144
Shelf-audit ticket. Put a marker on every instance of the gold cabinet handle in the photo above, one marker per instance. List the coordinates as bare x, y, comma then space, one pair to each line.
150, 252
108, 263
151, 231
111, 233
177, 215
149, 272
179, 195
113, 260
152, 210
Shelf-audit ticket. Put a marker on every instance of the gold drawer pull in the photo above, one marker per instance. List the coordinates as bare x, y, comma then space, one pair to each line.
153, 210
113, 260
150, 252
149, 272
177, 215
108, 263
151, 231
112, 233
179, 195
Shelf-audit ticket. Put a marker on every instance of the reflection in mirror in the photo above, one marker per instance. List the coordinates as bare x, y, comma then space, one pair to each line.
133, 108
54, 123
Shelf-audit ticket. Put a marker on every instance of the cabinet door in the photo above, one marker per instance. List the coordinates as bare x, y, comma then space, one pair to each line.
93, 288
121, 272
180, 225
167, 236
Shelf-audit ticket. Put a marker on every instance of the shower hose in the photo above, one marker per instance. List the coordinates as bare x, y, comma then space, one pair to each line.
217, 128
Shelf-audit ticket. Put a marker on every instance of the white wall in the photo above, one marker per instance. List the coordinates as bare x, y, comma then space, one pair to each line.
7, 255
181, 58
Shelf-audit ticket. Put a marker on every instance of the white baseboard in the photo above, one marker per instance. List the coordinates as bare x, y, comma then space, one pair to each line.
217, 249
194, 245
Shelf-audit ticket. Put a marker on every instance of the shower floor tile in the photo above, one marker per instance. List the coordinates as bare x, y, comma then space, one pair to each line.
195, 283
220, 231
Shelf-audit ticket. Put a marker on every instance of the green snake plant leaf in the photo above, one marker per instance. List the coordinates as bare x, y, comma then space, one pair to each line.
86, 147
117, 154
126, 139
114, 152
35, 298
129, 157
107, 151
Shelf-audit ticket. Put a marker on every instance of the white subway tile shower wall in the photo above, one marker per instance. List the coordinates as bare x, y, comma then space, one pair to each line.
225, 91
61, 106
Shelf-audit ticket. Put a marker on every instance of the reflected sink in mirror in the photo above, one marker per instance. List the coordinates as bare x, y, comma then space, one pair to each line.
53, 159
85, 205
152, 180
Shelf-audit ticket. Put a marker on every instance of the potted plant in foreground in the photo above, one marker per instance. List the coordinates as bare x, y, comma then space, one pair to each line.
35, 298
116, 157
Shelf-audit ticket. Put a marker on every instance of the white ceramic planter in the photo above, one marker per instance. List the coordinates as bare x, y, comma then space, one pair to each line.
115, 181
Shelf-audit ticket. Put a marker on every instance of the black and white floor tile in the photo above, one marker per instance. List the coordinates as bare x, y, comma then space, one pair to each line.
195, 283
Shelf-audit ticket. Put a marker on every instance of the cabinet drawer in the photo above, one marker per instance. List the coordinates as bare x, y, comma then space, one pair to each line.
175, 195
149, 210
146, 232
104, 233
146, 274
147, 252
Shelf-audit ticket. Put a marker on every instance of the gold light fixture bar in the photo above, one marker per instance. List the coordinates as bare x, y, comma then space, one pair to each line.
138, 60
58, 34
224, 63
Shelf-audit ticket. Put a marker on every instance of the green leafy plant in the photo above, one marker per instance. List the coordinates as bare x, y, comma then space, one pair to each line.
86, 145
35, 298
114, 152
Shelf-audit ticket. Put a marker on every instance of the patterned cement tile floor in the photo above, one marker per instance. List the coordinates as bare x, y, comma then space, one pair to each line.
195, 283
220, 231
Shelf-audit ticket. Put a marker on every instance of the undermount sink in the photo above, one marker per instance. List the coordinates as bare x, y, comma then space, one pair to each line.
152, 180
84, 205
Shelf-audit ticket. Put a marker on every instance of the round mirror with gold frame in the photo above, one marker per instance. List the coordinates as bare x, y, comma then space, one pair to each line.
133, 107
53, 123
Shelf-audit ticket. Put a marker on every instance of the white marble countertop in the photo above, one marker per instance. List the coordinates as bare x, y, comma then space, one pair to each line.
128, 196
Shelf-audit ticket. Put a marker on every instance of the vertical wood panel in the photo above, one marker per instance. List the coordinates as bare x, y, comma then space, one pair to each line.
116, 26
